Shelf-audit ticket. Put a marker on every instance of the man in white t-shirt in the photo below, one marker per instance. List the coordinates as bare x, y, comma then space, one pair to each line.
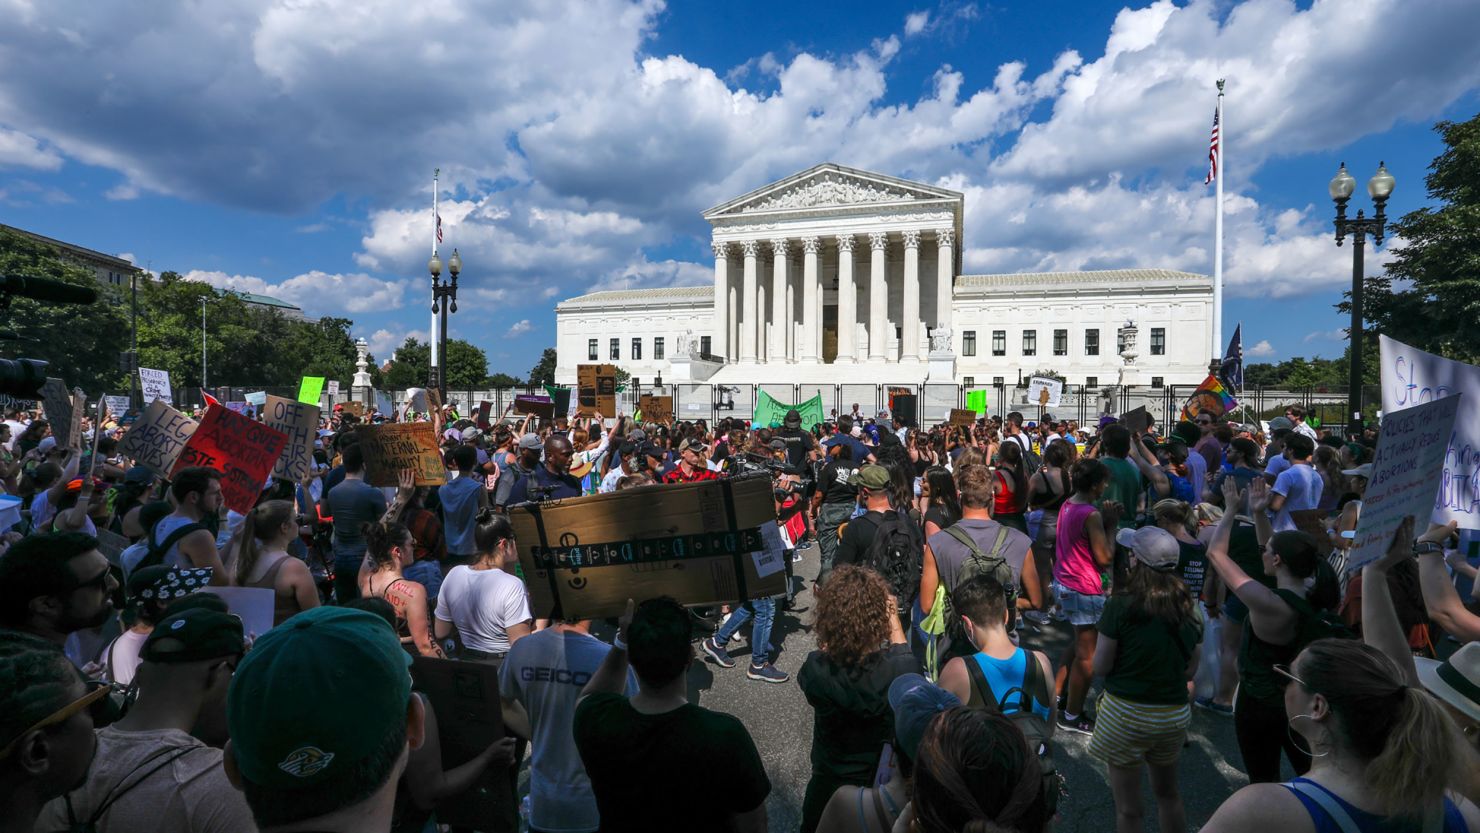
1298, 487
541, 680
1296, 415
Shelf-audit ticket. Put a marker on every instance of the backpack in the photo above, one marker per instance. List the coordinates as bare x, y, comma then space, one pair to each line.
897, 553
1032, 461
1034, 728
156, 552
942, 619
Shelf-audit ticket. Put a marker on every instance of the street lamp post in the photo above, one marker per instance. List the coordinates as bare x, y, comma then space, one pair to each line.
442, 293
1379, 187
203, 342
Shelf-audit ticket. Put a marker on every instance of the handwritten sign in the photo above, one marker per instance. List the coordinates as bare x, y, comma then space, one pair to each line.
355, 409
655, 408
242, 449
976, 401
434, 401
156, 440
237, 407
1040, 385
596, 389
331, 387
310, 389
1412, 377
962, 416
117, 405
1405, 474
393, 447
484, 409
258, 398
155, 384
79, 407
383, 404
299, 423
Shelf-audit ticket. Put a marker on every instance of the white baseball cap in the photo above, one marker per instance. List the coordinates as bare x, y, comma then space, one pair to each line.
1152, 546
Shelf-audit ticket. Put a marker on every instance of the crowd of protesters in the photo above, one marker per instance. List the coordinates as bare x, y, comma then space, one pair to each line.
1196, 565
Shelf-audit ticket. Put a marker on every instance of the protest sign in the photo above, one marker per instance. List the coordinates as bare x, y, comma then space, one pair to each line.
976, 400
157, 438
156, 385
770, 411
465, 698
700, 543
356, 409
416, 400
111, 545
1136, 420
596, 389
300, 424
237, 407
897, 392
484, 409
394, 447
383, 404
258, 399
1039, 385
1412, 377
117, 405
254, 605
655, 408
242, 449
331, 387
962, 416
1406, 474
74, 427
310, 389
537, 404
56, 402
434, 401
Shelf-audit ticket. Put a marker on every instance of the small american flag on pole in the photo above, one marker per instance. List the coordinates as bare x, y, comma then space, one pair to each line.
1213, 152
439, 228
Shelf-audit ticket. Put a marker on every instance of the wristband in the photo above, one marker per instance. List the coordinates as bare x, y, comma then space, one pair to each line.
1426, 547
618, 643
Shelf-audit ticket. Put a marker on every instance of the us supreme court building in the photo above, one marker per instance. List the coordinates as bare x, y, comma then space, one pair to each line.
841, 276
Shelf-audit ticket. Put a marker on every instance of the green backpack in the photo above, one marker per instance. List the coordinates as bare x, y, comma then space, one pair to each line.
942, 619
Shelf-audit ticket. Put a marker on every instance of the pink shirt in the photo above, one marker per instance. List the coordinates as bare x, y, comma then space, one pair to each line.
1074, 566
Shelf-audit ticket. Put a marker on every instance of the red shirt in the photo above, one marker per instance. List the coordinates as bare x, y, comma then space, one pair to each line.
677, 475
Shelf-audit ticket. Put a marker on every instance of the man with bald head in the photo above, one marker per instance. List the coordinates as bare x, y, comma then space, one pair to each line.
551, 480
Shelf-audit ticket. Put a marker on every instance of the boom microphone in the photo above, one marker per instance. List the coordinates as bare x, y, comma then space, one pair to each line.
45, 289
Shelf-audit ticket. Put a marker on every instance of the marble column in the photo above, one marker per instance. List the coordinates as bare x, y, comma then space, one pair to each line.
807, 351
909, 348
945, 267
878, 296
793, 318
748, 325
847, 300
780, 315
721, 331
734, 323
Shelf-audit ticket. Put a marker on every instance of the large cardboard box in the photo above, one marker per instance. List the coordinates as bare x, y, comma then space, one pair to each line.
596, 389
701, 543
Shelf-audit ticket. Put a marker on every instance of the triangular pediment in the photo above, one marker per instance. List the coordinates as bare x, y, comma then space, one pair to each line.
830, 186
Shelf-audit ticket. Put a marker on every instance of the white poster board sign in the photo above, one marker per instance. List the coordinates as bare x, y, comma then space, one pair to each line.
252, 604
117, 405
1412, 377
331, 387
156, 385
1405, 475
1038, 384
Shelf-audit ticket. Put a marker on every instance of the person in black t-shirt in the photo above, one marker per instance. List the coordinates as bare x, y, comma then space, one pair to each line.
873, 485
834, 502
654, 760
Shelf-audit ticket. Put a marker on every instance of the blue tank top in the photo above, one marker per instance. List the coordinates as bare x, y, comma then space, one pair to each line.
1454, 820
1003, 675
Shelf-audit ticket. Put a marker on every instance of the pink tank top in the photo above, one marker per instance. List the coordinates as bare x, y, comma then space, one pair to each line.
1074, 565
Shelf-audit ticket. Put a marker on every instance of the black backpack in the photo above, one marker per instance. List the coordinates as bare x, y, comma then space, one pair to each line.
897, 553
1035, 729
156, 552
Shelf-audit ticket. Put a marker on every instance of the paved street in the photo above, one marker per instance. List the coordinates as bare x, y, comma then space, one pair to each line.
781, 723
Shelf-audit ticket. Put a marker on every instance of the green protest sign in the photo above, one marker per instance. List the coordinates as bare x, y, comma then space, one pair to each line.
768, 411
976, 400
311, 389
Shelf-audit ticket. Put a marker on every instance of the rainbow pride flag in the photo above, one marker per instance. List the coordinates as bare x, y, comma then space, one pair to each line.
1210, 397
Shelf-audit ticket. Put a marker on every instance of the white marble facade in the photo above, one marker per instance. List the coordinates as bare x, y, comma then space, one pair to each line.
841, 275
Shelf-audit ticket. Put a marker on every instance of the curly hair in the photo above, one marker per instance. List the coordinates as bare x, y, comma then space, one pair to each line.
849, 618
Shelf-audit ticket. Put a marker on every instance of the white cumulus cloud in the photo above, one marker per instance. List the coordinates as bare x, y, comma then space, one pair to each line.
1262, 350
519, 328
317, 293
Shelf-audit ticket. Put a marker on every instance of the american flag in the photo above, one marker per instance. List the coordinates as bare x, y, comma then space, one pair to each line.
439, 228
1212, 152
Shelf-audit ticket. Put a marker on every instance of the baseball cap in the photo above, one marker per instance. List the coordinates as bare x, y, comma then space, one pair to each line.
1364, 470
692, 444
530, 441
653, 451
777, 445
138, 475
161, 583
916, 701
46, 444
1152, 546
355, 671
873, 478
793, 419
1280, 423
470, 434
637, 435
193, 635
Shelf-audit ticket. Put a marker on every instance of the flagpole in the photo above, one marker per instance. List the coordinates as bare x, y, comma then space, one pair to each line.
436, 334
1218, 230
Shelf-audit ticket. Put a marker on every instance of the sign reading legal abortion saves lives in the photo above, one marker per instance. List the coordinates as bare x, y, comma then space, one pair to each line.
157, 438
1405, 474
299, 422
1412, 377
242, 449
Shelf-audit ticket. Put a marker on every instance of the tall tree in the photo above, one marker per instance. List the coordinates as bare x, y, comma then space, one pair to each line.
467, 366
543, 372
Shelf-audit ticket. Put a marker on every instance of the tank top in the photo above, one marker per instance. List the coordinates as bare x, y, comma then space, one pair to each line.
1328, 810
1002, 676
282, 610
1074, 566
162, 530
1005, 501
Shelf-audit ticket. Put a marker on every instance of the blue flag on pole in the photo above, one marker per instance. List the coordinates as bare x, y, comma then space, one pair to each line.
1231, 370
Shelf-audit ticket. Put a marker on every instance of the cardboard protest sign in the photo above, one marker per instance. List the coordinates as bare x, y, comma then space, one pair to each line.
156, 440
485, 408
299, 422
1044, 391
356, 409
655, 408
434, 401
976, 400
117, 405
1406, 474
391, 448
1136, 420
701, 543
596, 389
465, 697
56, 402
1412, 377
962, 416
310, 389
258, 399
242, 449
155, 384
74, 427
536, 404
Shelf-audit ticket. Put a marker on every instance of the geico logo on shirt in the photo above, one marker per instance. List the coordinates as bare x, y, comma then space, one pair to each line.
554, 675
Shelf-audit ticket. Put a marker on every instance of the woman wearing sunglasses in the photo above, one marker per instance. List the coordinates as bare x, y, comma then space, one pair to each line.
47, 716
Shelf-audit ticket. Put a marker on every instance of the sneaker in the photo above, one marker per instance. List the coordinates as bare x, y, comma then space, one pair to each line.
767, 673
1215, 708
796, 555
1036, 618
1081, 724
717, 653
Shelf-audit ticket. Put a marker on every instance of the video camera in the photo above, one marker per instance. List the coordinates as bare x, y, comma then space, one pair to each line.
24, 378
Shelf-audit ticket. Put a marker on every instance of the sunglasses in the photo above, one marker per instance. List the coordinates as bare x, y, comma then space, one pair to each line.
95, 700
1284, 671
99, 582
1205, 422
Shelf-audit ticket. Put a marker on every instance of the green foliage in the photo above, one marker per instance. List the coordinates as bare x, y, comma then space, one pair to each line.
543, 373
1437, 269
1301, 372
81, 342
504, 380
467, 366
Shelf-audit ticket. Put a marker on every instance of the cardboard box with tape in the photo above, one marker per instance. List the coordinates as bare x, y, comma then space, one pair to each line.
701, 543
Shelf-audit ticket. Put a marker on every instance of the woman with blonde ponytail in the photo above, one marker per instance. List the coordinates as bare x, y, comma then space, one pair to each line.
1385, 755
263, 559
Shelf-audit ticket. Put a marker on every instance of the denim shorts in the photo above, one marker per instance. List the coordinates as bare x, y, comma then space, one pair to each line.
1082, 609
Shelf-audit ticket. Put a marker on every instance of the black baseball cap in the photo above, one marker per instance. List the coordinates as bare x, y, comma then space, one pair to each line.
193, 635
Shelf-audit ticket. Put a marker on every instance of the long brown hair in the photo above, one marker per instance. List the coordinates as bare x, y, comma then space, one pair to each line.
263, 522
975, 774
1157, 594
849, 619
380, 538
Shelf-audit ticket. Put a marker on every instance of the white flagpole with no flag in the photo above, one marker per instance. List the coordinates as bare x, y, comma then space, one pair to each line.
436, 221
1218, 230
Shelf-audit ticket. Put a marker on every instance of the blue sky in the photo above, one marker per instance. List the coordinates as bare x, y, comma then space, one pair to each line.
287, 148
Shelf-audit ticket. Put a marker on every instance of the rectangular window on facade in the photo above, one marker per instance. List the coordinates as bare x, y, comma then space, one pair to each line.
616, 349
658, 347
968, 342
1156, 382
1091, 342
1030, 342
999, 342
1091, 381
636, 349
704, 345
998, 381
1061, 342
1158, 341
968, 381
591, 350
